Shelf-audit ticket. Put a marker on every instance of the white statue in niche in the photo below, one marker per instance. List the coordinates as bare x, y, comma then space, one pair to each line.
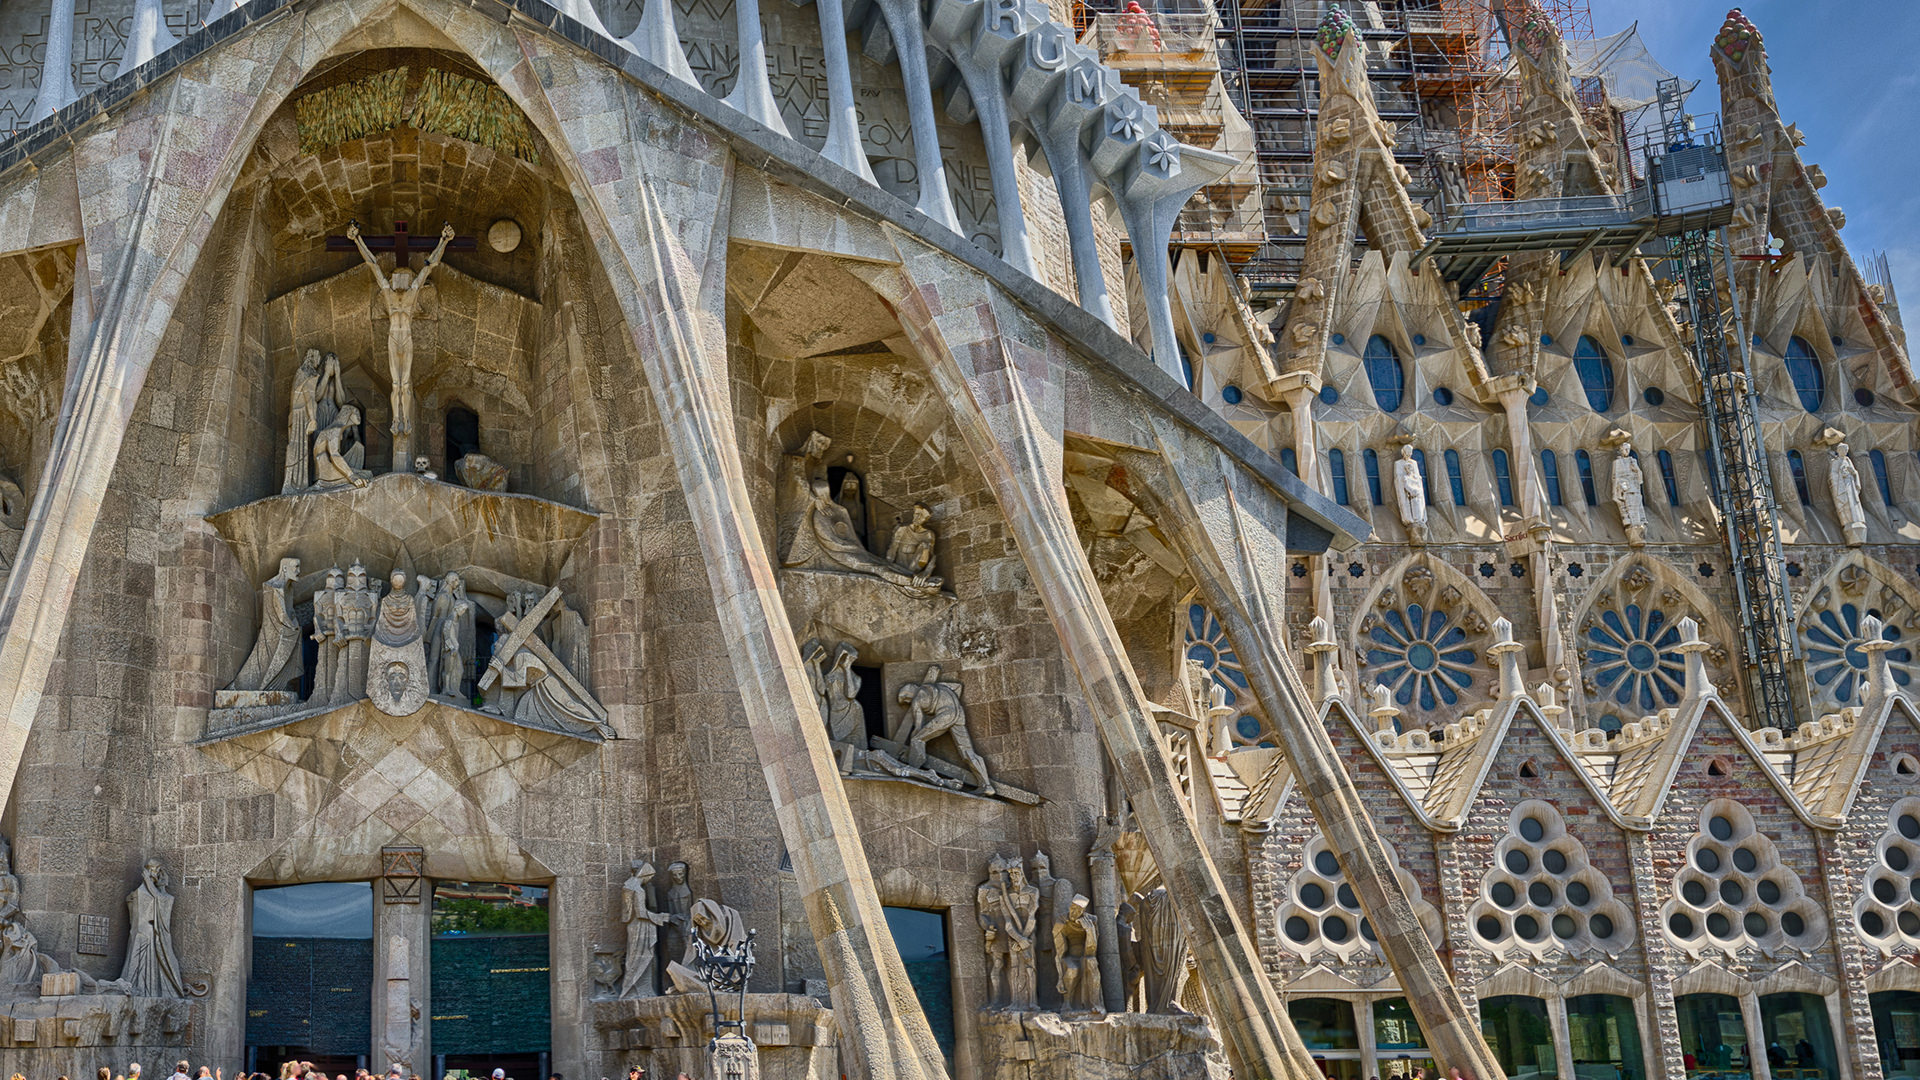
1628, 485
279, 636
1844, 480
397, 658
402, 295
1410, 491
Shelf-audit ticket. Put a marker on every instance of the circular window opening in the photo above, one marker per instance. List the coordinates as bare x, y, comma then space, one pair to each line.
1909, 826
1680, 925
1654, 396
1600, 926
1731, 892
1442, 396
1721, 828
1540, 893
1299, 929
1870, 923
1345, 895
1554, 860
1864, 397
1326, 864
1419, 339
1909, 922
1693, 892
1756, 924
1328, 395
1564, 927
1719, 926
1744, 860
1527, 927
1488, 927
1518, 862
1896, 858
1531, 829
1768, 891
1366, 930
1706, 859
1794, 925
1577, 894
1313, 896
1335, 929
1502, 894
1539, 398
1230, 394
1884, 890
1914, 888
1339, 339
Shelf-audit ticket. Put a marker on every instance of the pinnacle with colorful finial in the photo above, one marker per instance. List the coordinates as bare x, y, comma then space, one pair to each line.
1737, 36
1335, 28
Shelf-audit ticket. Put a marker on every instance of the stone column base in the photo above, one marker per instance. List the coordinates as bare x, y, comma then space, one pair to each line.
1118, 1046
796, 1035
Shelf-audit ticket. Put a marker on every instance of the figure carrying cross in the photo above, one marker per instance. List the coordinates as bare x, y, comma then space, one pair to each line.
402, 294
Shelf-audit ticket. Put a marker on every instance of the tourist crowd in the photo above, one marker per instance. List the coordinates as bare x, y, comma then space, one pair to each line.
307, 1070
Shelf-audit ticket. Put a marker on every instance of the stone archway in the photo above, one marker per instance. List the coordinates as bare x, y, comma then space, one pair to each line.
1624, 633
1831, 627
1422, 633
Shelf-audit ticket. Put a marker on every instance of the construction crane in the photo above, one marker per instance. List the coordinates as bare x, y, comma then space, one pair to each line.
1688, 182
1675, 219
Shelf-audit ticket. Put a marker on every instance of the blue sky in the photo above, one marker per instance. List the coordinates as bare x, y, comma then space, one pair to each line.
1838, 72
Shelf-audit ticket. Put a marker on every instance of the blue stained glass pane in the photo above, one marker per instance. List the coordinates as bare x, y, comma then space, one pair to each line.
1809, 381
1337, 467
1666, 474
1372, 461
1502, 477
1452, 458
1248, 727
1426, 694
1584, 462
1550, 474
1385, 373
1289, 460
1197, 617
1591, 363
1878, 459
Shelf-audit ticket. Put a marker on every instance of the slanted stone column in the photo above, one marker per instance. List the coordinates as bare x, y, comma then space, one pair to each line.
999, 374
1231, 531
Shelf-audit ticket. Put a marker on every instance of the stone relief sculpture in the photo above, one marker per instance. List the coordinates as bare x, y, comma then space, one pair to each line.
397, 659
852, 498
819, 533
679, 904
326, 627
1076, 943
836, 691
402, 296
279, 637
22, 965
643, 932
1629, 485
545, 694
303, 409
480, 472
447, 635
153, 968
1410, 492
1161, 951
357, 606
1843, 479
13, 518
338, 453
715, 925
934, 709
911, 548
1007, 908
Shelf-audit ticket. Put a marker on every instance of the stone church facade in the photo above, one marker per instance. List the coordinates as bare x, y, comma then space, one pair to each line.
503, 503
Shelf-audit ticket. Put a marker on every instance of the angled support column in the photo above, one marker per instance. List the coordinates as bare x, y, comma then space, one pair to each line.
665, 252
1001, 378
1232, 534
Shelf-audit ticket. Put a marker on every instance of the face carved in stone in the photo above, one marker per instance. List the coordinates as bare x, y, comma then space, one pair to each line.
397, 679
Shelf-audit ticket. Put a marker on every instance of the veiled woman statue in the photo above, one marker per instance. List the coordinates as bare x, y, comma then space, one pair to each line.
279, 632
303, 419
335, 464
397, 660
153, 968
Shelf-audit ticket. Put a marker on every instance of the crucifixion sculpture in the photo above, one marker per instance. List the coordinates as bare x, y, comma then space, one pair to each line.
402, 295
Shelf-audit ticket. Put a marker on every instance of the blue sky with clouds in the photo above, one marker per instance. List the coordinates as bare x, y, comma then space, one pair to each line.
1843, 71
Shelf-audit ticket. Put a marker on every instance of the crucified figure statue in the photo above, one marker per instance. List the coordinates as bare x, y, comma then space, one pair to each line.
402, 294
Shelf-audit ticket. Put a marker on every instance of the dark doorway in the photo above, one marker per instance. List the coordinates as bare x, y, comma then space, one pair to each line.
463, 435
484, 635
873, 701
921, 937
310, 993
489, 958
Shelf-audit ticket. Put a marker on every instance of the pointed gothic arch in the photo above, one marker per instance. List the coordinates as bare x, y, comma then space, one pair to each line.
1423, 631
1829, 623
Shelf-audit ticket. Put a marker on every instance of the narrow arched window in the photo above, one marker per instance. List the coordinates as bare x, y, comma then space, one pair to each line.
1666, 475
1337, 468
1503, 477
1583, 462
463, 435
1290, 460
1799, 469
1452, 458
1879, 462
1426, 476
1595, 369
1808, 380
1550, 475
1372, 462
1389, 379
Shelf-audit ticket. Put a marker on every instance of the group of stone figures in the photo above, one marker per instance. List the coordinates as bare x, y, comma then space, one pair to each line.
1628, 489
932, 710
326, 437
675, 931
825, 530
399, 649
152, 968
1020, 918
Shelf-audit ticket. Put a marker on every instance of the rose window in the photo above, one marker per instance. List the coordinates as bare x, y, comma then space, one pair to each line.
1205, 642
1835, 660
1632, 658
1419, 652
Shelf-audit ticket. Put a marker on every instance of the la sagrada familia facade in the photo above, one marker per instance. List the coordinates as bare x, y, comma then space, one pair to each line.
508, 510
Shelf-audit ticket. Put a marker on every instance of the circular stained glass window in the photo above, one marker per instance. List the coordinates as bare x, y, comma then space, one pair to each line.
1326, 864
1531, 829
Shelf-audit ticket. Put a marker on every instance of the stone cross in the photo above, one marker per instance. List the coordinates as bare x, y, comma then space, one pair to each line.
401, 243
